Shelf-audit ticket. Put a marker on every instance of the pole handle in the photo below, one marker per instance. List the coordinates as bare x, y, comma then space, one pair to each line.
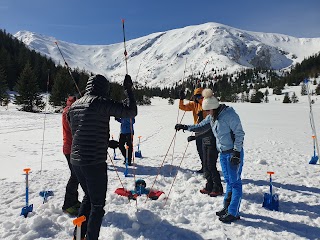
27, 170
78, 221
270, 173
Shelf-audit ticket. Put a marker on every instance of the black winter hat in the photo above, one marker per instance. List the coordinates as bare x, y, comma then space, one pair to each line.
98, 85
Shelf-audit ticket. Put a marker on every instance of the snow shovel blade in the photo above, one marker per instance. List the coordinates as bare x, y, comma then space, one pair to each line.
314, 160
25, 210
46, 194
122, 192
154, 195
271, 202
138, 154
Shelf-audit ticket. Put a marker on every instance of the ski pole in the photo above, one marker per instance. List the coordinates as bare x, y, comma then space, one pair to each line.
78, 222
124, 45
65, 62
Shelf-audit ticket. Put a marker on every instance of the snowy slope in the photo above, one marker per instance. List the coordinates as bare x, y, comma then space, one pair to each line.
162, 56
278, 138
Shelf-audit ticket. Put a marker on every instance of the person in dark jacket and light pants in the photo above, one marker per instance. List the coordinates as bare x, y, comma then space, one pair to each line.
89, 120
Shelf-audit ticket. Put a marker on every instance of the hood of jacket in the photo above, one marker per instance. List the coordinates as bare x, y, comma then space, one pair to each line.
98, 85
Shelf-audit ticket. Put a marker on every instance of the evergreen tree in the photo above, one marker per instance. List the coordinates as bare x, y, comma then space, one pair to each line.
170, 101
3, 85
277, 90
243, 97
266, 93
286, 98
257, 97
294, 98
29, 93
234, 97
304, 89
62, 88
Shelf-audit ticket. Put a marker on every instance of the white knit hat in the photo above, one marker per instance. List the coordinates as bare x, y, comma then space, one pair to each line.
209, 102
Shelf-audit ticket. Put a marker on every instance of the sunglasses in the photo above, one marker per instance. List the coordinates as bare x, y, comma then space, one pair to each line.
198, 96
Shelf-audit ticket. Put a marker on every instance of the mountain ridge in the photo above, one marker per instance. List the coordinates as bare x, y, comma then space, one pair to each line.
159, 59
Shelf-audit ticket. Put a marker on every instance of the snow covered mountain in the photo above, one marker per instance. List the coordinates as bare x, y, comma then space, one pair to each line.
159, 59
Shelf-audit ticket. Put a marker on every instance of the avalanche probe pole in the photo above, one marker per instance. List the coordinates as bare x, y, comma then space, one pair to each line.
74, 81
124, 45
315, 158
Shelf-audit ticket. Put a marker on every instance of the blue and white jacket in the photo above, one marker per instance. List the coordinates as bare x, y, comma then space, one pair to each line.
226, 128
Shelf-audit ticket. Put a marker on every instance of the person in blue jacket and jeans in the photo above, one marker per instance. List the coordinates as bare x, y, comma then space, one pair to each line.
126, 135
226, 127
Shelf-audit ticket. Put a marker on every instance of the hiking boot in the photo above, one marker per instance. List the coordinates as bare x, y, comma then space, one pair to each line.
78, 204
72, 211
215, 194
228, 218
222, 212
204, 191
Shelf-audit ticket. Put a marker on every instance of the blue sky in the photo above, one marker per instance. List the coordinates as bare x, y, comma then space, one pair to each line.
99, 21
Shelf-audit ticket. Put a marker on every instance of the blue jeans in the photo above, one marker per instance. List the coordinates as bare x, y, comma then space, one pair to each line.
93, 180
232, 177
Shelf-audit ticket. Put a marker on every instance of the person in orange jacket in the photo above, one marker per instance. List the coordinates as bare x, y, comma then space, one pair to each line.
198, 115
71, 203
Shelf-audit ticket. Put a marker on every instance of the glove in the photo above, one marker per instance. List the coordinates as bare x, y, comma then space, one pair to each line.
182, 95
127, 83
191, 138
235, 159
178, 127
113, 144
200, 116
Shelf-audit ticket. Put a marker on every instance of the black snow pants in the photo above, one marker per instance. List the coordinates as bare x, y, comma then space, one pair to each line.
210, 157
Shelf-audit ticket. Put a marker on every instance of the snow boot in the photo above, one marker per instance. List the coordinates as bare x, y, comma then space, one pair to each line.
228, 218
215, 194
72, 211
205, 191
222, 212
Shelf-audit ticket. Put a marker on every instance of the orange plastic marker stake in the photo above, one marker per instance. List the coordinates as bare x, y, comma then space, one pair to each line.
78, 222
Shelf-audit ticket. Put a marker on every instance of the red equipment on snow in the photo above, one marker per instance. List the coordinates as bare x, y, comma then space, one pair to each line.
140, 188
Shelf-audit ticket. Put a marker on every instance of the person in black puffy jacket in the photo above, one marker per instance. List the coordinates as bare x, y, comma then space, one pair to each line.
89, 120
